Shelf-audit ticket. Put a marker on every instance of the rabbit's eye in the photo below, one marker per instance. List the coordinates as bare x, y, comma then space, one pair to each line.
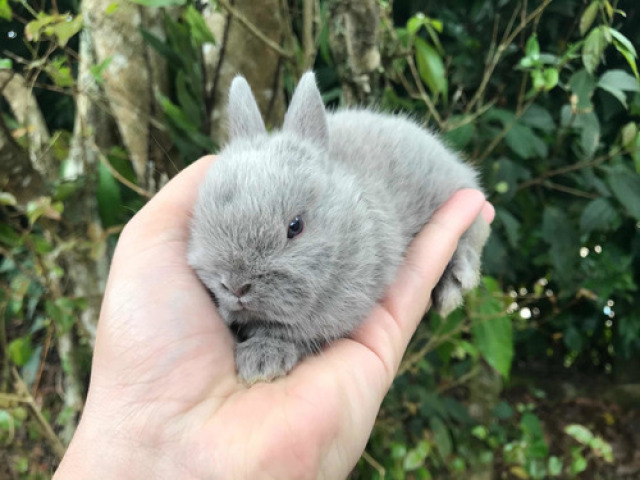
295, 227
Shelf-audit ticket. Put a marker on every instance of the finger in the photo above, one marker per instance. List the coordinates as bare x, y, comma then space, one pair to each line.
428, 256
488, 213
362, 367
386, 332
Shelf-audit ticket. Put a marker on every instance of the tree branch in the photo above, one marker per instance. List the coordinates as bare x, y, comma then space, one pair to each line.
50, 435
495, 56
254, 30
18, 175
308, 40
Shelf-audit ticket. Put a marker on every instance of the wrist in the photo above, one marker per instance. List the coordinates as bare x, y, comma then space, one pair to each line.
95, 454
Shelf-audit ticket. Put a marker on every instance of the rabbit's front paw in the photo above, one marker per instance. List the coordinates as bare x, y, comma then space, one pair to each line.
460, 276
262, 359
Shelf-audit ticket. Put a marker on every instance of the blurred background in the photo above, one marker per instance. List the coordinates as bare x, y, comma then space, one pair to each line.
537, 376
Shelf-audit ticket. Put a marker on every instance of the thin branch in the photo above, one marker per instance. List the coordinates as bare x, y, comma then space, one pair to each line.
374, 463
436, 340
43, 360
495, 57
570, 191
423, 94
569, 168
254, 30
139, 190
459, 381
50, 435
498, 138
8, 398
308, 41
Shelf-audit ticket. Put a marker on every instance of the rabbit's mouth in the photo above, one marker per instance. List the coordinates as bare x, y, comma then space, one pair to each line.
239, 305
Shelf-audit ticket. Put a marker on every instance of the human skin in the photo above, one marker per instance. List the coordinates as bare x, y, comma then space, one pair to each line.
164, 400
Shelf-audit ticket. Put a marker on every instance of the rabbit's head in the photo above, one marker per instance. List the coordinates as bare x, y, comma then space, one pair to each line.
278, 228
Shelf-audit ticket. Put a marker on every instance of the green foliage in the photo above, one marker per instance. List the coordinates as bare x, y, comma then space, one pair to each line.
558, 146
60, 26
186, 118
491, 326
545, 101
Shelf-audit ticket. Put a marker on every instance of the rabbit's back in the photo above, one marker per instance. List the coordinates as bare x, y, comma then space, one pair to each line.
406, 166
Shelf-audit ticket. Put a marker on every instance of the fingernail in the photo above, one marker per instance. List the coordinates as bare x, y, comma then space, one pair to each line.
488, 212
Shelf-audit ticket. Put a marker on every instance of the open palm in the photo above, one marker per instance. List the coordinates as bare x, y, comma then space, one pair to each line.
164, 400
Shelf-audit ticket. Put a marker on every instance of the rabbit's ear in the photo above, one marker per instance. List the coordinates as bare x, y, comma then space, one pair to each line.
242, 110
306, 116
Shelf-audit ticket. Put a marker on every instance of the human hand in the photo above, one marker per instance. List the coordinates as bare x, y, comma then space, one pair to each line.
164, 400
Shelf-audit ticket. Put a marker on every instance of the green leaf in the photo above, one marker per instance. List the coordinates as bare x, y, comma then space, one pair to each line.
97, 70
626, 49
62, 313
582, 84
161, 47
554, 466
573, 339
558, 232
532, 48
415, 457
531, 427
442, 437
199, 30
8, 236
6, 64
59, 72
589, 132
20, 350
582, 434
616, 82
7, 198
5, 10
43, 206
538, 117
593, 48
415, 23
550, 76
578, 462
537, 78
108, 196
624, 42
599, 214
491, 327
160, 3
630, 59
459, 137
6, 420
430, 67
503, 410
602, 449
111, 8
524, 142
629, 134
619, 79
62, 26
66, 29
501, 187
191, 106
625, 185
588, 16
511, 226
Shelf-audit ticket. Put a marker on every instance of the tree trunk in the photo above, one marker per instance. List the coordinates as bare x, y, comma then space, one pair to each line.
241, 51
354, 44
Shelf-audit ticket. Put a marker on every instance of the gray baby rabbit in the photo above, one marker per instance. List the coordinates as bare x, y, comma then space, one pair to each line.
297, 234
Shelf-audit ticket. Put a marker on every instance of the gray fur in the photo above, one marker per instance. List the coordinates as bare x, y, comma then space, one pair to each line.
364, 183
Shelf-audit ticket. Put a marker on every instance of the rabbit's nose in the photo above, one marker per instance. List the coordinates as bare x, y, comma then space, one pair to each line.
238, 292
